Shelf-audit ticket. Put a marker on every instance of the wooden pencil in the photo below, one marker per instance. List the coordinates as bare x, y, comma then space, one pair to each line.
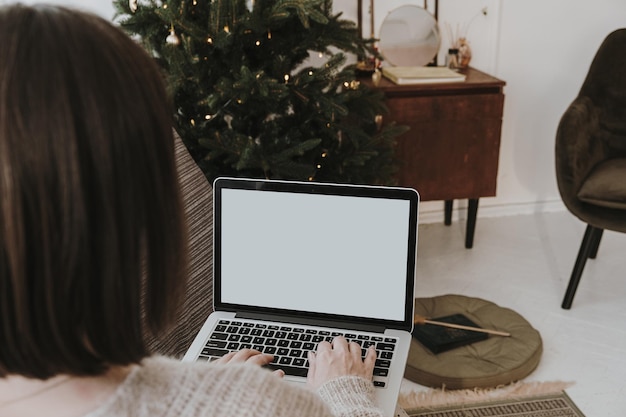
420, 320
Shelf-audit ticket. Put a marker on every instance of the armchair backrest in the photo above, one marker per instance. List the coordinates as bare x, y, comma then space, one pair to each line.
198, 304
605, 85
593, 128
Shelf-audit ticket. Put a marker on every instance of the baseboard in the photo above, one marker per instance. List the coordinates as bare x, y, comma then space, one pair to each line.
432, 211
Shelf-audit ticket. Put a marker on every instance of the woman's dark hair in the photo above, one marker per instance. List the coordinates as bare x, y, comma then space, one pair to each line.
92, 238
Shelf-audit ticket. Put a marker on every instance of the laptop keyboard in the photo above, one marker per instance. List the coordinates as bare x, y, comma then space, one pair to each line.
290, 344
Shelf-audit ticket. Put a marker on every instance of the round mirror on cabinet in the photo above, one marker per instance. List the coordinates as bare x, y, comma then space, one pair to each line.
409, 36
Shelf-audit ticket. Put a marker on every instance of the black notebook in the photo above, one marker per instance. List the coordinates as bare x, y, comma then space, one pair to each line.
440, 339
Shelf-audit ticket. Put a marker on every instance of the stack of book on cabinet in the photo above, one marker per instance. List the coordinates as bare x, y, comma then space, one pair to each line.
422, 75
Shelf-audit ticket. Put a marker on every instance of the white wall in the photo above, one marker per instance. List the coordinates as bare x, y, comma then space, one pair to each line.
541, 48
544, 52
102, 7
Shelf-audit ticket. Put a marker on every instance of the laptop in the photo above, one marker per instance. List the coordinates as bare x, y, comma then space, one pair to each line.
304, 262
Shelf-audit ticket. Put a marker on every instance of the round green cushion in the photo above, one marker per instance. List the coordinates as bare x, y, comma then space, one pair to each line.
489, 363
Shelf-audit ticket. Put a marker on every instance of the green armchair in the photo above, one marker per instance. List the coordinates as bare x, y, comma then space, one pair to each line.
591, 152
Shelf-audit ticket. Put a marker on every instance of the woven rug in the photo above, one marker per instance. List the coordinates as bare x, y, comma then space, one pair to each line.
553, 405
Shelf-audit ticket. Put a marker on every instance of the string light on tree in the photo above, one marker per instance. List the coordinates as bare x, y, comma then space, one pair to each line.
133, 5
378, 119
352, 85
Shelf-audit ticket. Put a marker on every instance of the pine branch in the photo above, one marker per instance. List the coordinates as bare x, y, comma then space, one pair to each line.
247, 100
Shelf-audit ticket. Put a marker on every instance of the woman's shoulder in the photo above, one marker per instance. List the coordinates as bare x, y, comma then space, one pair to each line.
169, 371
203, 389
172, 374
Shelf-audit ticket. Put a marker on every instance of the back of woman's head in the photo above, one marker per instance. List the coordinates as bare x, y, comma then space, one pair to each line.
92, 244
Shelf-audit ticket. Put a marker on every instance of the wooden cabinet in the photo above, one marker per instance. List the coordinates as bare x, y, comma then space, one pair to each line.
451, 151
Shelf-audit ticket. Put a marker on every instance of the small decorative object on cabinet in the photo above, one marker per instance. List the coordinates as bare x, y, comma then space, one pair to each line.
464, 55
409, 36
451, 150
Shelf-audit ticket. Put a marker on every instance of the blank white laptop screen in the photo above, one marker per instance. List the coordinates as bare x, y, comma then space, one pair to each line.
318, 253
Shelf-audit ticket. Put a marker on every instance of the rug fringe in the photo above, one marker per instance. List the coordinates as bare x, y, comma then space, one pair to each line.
443, 397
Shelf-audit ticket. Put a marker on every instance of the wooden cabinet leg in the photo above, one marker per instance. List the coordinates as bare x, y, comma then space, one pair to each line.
472, 209
447, 212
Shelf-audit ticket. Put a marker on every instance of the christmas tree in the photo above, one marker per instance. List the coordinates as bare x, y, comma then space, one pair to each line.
247, 103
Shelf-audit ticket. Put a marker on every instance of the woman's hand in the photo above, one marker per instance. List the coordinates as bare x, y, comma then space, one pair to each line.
249, 356
339, 359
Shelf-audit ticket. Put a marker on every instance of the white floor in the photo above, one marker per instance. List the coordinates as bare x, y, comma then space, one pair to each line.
524, 263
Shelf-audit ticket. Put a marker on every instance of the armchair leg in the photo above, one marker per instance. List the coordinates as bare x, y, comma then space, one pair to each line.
590, 243
595, 244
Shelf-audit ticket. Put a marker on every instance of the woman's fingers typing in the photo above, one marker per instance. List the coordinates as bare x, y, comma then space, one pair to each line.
249, 356
339, 359
329, 361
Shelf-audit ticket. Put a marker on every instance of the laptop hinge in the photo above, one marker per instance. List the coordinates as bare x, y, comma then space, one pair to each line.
313, 322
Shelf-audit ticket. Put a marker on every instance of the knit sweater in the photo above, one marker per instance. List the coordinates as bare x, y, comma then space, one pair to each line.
163, 387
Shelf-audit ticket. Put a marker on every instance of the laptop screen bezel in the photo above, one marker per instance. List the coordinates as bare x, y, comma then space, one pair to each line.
406, 194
